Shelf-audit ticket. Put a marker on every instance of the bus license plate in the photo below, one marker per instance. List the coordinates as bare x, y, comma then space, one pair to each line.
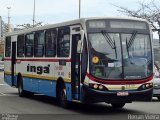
122, 93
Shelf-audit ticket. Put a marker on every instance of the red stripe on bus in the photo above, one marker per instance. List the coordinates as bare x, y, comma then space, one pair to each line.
39, 60
120, 82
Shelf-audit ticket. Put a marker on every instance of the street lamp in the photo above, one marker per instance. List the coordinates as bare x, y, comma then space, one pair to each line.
34, 13
9, 27
79, 8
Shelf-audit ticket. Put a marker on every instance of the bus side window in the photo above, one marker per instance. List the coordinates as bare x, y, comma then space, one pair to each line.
63, 42
50, 43
20, 46
29, 45
8, 47
39, 44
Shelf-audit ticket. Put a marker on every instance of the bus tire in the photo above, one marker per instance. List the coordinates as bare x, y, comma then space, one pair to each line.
63, 98
118, 105
158, 98
21, 91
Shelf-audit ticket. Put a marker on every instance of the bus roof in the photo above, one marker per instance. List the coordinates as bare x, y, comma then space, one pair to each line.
72, 22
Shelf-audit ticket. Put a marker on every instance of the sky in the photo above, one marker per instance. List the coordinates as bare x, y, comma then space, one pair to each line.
55, 11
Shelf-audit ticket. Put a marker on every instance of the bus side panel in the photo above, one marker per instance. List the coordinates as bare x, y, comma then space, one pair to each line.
7, 72
27, 85
8, 79
15, 80
35, 84
68, 90
47, 87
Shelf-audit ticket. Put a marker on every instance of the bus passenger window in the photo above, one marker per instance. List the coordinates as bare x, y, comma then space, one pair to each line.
20, 46
29, 45
8, 47
39, 44
63, 43
50, 43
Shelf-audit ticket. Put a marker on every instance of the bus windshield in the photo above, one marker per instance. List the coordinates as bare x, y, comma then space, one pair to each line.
120, 55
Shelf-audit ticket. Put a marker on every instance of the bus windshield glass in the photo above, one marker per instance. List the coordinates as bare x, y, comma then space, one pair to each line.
120, 55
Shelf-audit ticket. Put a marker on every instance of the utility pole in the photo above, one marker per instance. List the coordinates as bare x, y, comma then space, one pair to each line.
79, 8
34, 13
9, 24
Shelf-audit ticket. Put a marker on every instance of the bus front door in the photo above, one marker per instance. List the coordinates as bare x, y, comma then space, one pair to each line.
75, 68
13, 62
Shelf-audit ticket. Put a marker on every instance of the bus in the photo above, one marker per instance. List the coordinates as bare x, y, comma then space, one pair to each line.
86, 60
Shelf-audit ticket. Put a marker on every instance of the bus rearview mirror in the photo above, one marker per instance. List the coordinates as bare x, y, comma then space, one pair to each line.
79, 46
80, 42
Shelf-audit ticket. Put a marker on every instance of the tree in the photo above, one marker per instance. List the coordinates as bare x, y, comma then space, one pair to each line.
27, 26
149, 11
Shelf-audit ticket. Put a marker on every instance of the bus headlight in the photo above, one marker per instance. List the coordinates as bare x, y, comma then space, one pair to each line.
145, 86
97, 87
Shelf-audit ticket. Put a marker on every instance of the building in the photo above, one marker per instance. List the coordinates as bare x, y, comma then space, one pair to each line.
3, 29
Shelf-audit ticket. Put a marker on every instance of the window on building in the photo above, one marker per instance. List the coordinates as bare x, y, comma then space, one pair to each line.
39, 44
8, 47
50, 43
29, 45
63, 42
20, 46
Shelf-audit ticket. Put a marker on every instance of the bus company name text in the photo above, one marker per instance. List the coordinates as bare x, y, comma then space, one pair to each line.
38, 69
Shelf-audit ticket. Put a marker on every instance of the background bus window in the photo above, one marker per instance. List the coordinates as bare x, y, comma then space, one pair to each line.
50, 43
63, 43
20, 46
39, 44
8, 47
29, 45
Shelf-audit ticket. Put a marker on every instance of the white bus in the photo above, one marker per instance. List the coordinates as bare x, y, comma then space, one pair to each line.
86, 60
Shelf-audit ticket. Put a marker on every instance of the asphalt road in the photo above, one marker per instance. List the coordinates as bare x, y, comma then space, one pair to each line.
39, 107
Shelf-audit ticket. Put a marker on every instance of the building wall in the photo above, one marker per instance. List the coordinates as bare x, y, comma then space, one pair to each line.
2, 32
0, 27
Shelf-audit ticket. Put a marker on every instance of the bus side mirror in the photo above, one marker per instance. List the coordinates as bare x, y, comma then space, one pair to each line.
79, 46
80, 42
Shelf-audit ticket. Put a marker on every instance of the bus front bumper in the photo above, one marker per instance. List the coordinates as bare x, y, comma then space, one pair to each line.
92, 95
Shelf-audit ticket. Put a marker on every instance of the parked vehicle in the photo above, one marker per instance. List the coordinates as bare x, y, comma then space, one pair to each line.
1, 65
156, 90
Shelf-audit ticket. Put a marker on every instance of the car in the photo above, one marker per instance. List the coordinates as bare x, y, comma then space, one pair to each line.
156, 89
1, 65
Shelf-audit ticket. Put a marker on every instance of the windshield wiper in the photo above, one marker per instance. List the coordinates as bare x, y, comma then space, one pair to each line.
129, 44
109, 40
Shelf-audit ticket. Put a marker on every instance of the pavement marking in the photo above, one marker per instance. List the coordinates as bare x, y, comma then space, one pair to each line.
2, 94
2, 84
8, 95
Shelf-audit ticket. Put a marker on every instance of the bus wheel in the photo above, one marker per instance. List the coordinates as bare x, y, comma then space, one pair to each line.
118, 105
63, 98
158, 98
21, 91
